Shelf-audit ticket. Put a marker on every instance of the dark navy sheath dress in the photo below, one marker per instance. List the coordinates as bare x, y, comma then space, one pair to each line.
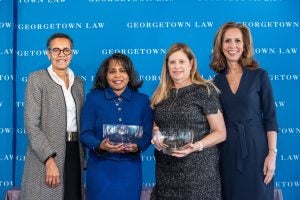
249, 114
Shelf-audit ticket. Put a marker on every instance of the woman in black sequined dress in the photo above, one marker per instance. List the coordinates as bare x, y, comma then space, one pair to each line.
184, 100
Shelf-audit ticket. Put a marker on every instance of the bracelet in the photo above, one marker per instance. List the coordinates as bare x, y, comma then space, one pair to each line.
154, 130
274, 150
201, 146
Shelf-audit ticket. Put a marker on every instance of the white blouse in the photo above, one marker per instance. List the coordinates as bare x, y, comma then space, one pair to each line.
70, 103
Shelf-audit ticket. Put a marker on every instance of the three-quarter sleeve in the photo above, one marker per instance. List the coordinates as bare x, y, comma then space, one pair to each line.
268, 104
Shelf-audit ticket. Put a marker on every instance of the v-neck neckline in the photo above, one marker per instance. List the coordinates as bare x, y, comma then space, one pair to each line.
239, 85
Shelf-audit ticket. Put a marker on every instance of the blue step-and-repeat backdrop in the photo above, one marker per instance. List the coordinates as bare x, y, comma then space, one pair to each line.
144, 30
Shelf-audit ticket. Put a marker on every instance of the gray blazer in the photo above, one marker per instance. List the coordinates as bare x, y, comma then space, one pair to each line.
45, 124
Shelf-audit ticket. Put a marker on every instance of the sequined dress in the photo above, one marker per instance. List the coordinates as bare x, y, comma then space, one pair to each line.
196, 176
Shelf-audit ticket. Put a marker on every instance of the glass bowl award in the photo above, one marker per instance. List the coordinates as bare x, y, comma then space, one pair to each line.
176, 139
122, 134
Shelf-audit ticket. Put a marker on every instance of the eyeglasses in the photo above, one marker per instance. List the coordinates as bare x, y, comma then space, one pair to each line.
57, 51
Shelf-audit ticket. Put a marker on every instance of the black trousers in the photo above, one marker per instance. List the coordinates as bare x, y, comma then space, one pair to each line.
72, 173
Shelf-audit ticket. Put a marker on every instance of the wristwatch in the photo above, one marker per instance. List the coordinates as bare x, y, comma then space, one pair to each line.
273, 150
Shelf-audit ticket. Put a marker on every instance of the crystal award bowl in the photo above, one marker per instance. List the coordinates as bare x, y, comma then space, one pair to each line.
122, 134
176, 139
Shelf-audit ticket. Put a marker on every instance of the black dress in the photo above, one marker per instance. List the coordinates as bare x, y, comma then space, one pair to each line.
248, 114
196, 176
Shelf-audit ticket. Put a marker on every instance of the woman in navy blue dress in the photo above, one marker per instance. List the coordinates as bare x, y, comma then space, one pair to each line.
248, 156
114, 171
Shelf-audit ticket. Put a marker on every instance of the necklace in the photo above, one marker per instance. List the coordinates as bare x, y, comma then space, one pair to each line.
118, 101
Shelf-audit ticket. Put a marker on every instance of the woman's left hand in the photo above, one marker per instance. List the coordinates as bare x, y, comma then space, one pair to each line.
189, 148
269, 167
131, 148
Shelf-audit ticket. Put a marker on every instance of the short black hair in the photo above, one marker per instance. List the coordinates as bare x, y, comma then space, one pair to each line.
59, 35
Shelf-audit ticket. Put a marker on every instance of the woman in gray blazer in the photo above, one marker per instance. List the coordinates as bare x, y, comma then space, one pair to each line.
53, 100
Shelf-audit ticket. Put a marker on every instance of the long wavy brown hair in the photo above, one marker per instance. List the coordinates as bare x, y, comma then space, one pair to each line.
218, 61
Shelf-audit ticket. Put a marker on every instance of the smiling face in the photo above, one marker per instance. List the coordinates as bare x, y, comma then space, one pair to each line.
179, 67
59, 60
117, 77
233, 45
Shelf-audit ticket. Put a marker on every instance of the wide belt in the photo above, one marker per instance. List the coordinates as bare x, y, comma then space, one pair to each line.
242, 151
71, 136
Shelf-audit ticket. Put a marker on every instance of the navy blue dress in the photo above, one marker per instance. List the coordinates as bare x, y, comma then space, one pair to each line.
114, 176
249, 114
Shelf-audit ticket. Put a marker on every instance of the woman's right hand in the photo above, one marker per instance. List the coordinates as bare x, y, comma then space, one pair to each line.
52, 173
157, 139
106, 146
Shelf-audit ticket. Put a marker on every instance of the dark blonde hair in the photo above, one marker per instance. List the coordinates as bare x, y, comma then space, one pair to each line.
166, 83
218, 62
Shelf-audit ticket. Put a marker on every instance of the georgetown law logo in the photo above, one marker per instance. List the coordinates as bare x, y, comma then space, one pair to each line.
53, 26
6, 183
25, 53
242, 1
280, 104
169, 24
148, 184
143, 77
130, 1
277, 51
148, 158
289, 131
6, 25
287, 184
6, 77
85, 78
149, 77
40, 1
284, 77
6, 130
271, 24
19, 104
29, 52
9, 130
290, 157
134, 51
10, 157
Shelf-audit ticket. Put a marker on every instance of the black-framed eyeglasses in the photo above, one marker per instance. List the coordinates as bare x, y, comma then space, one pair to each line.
57, 51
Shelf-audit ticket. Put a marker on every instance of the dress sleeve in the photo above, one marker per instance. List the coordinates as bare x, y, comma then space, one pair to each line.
88, 124
268, 104
211, 103
147, 121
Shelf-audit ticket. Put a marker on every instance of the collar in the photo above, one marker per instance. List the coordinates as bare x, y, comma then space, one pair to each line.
57, 79
110, 94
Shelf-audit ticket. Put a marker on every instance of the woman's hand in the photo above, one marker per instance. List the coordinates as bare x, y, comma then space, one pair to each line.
118, 148
52, 173
131, 148
269, 167
106, 146
157, 139
184, 151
